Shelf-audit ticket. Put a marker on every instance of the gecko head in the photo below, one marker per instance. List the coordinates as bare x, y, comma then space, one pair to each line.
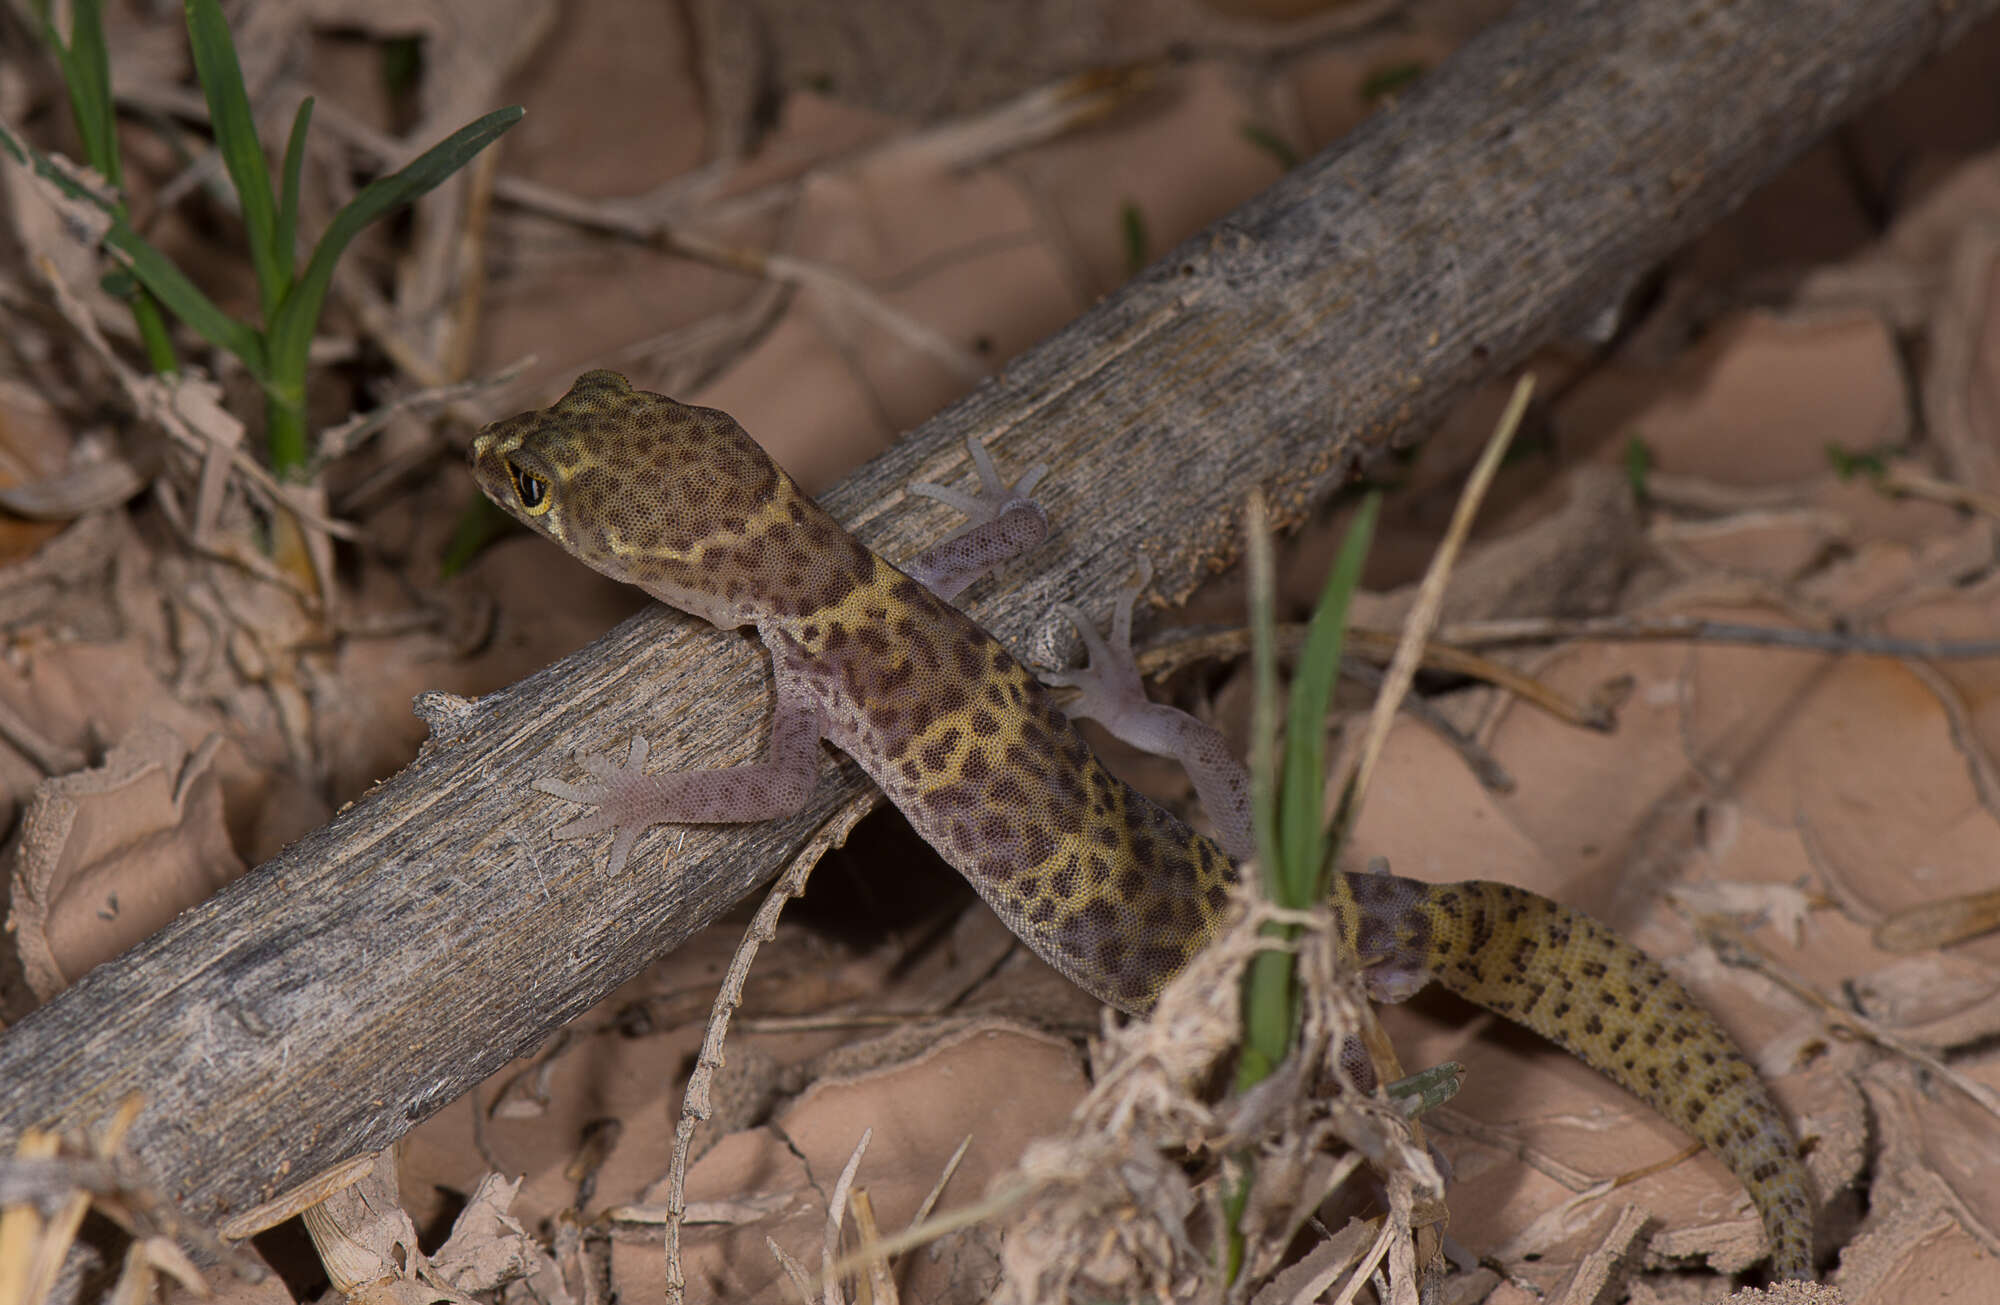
676, 499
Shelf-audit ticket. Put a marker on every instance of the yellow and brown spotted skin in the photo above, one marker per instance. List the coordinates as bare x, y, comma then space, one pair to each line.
1613, 1007
1109, 887
970, 747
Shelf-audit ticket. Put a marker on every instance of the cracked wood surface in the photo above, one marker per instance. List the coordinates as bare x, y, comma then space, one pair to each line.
381, 966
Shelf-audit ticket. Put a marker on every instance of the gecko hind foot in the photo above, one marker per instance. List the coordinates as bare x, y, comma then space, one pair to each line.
1108, 684
1001, 523
1110, 692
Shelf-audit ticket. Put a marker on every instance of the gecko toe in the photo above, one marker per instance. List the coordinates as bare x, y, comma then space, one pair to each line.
588, 795
621, 847
591, 822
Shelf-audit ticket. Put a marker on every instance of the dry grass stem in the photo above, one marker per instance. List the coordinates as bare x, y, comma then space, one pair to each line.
1437, 654
836, 1209
881, 1283
695, 1103
1430, 594
52, 1181
1692, 629
1113, 1206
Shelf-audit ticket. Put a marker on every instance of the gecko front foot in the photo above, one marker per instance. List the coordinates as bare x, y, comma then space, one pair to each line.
629, 801
624, 798
994, 499
1001, 523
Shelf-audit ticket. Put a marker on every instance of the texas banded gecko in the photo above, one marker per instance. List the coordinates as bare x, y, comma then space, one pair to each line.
1107, 886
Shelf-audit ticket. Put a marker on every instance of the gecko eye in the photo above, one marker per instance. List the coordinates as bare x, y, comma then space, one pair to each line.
531, 489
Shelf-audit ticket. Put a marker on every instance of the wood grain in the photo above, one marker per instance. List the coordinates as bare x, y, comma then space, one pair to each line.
382, 966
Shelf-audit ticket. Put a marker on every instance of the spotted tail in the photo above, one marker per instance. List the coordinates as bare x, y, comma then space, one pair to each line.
1573, 981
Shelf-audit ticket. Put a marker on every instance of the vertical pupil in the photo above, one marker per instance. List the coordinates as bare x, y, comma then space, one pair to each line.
530, 489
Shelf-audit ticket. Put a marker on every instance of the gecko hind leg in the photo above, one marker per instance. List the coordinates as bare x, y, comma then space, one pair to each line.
1111, 693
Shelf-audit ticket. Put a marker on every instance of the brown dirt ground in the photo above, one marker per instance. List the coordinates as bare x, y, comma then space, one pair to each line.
187, 718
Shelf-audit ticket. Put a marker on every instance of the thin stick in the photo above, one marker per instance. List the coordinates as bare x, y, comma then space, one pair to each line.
339, 440
944, 1177
1378, 646
1536, 629
839, 287
1734, 946
695, 1103
993, 1205
1359, 1278
1430, 594
881, 1284
1485, 767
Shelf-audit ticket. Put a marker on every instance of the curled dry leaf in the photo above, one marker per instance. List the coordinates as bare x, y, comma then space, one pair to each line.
1939, 1000
58, 234
371, 1254
488, 1246
57, 553
108, 855
1934, 1217
369, 1246
36, 447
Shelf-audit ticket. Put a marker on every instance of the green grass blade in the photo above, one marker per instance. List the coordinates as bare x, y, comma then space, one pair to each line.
1301, 803
1272, 144
291, 329
86, 72
1132, 234
153, 333
17, 149
184, 299
1267, 985
154, 336
153, 270
1264, 683
236, 138
287, 235
1427, 1089
86, 66
1287, 810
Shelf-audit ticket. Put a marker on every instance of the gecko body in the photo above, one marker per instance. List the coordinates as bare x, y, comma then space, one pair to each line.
1109, 887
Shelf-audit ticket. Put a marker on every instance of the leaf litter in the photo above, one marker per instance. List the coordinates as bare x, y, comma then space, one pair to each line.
1828, 795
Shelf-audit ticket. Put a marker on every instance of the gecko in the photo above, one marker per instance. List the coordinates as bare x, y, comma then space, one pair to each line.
1109, 887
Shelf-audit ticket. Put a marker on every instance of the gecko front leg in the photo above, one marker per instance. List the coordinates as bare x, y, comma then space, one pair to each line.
1002, 523
627, 801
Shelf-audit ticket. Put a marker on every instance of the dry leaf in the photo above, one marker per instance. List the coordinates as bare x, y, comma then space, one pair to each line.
999, 1083
106, 856
488, 1247
1931, 1227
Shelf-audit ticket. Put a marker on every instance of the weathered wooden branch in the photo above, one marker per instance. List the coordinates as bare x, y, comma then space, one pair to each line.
383, 965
